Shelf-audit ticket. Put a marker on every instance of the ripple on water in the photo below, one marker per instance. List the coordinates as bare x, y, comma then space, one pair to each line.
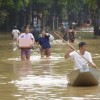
43, 80
37, 58
96, 56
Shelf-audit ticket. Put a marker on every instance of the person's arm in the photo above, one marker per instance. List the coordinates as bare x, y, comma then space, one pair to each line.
18, 32
93, 65
33, 40
90, 61
17, 42
39, 46
67, 53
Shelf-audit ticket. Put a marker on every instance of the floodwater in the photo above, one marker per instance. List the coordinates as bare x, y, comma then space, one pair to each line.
42, 79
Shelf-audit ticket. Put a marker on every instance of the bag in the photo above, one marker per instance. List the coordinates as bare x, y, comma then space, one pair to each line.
51, 38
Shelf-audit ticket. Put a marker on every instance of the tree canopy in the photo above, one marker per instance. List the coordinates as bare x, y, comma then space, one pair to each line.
22, 12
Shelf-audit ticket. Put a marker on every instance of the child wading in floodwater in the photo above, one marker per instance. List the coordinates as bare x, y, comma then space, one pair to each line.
44, 43
26, 52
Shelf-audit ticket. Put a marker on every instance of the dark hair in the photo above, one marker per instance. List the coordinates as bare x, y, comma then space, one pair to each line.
70, 27
82, 44
42, 30
27, 26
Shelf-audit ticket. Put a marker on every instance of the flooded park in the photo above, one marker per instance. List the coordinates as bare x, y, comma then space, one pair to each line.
43, 79
47, 78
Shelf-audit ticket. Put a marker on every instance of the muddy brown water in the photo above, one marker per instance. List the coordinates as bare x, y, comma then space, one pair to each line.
42, 79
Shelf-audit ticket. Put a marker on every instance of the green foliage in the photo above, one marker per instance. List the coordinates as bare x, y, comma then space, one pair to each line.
4, 3
75, 5
14, 4
18, 4
92, 4
3, 15
41, 5
62, 3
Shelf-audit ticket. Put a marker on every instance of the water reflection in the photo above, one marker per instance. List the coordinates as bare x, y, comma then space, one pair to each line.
28, 74
38, 83
25, 69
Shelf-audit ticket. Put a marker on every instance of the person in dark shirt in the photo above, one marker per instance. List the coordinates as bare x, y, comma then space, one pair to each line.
71, 35
44, 43
64, 34
36, 32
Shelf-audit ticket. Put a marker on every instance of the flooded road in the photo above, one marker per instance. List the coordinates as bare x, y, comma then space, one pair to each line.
42, 79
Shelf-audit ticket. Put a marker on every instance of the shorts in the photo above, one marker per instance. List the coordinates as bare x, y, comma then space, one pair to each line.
26, 52
46, 52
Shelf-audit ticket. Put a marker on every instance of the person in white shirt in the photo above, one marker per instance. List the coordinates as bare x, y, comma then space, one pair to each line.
26, 51
82, 58
15, 33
